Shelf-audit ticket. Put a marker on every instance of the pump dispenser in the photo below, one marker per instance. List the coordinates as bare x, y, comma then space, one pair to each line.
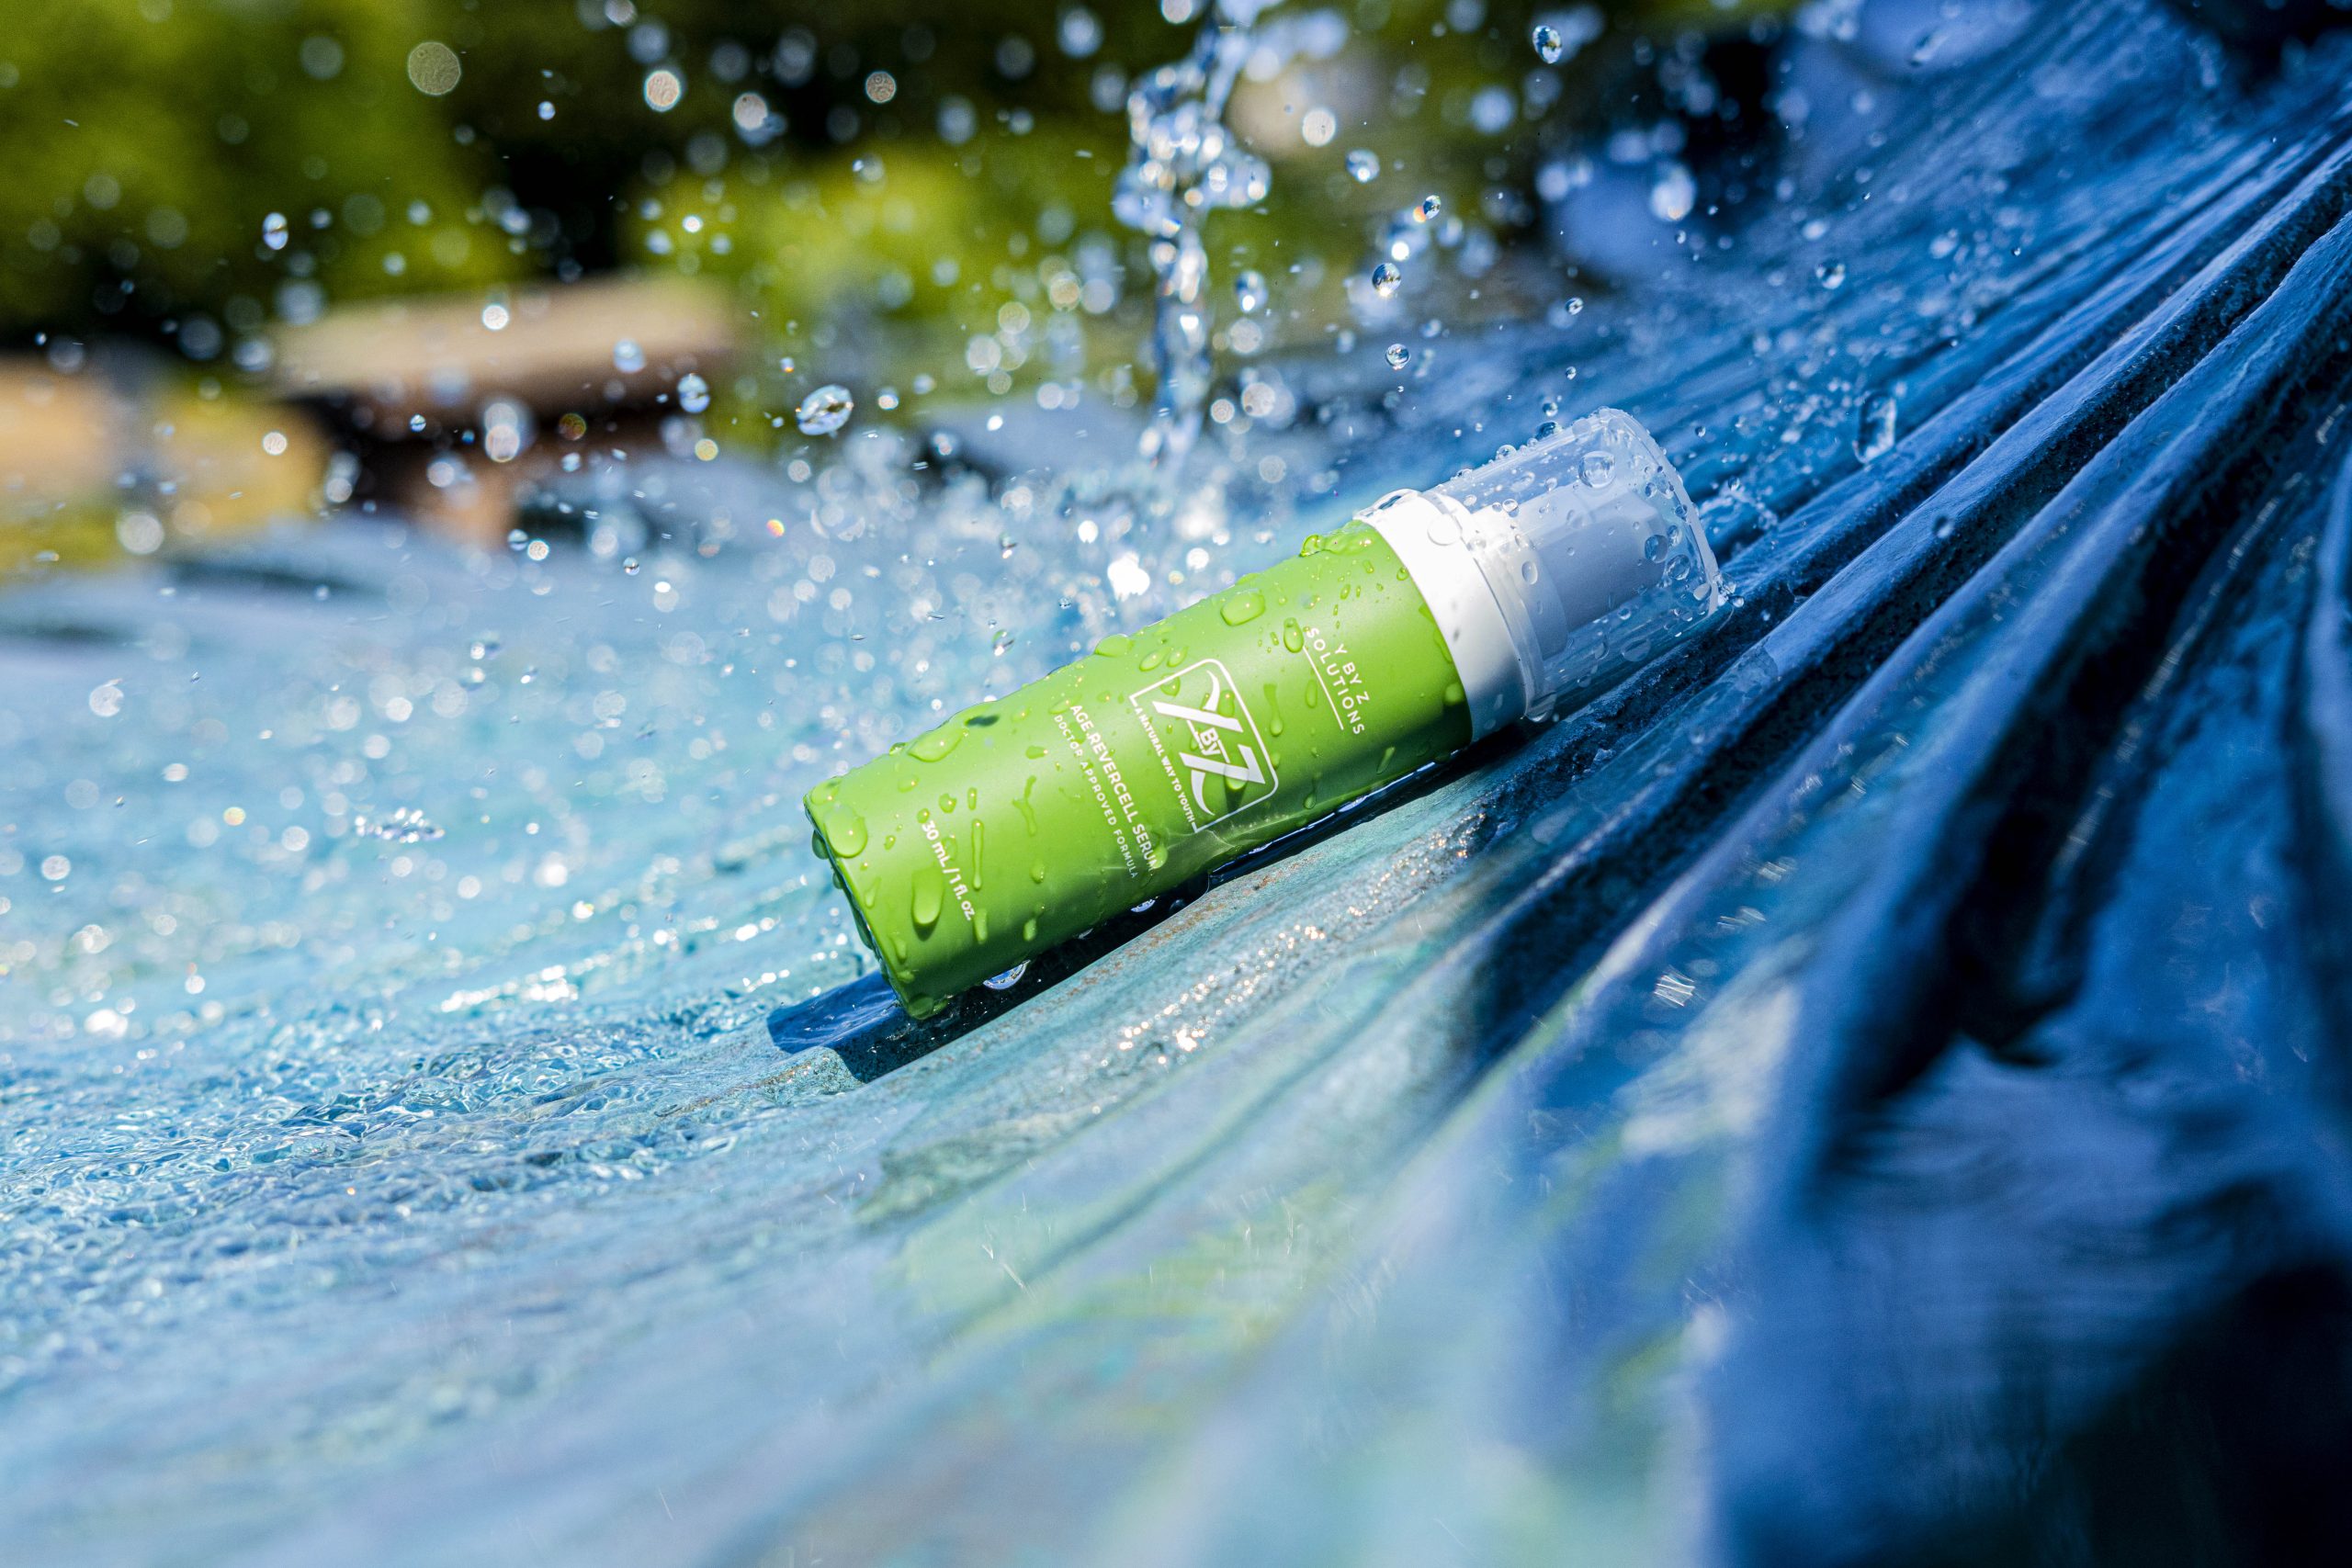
1556, 567
1513, 589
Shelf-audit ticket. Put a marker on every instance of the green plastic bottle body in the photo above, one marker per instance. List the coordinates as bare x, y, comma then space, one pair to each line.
1023, 822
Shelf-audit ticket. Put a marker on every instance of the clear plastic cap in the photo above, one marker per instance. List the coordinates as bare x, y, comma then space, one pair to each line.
1592, 550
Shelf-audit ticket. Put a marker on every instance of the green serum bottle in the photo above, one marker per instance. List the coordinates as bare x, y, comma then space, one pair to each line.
1434, 617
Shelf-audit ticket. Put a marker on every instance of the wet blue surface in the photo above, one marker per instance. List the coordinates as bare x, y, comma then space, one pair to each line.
1864, 1091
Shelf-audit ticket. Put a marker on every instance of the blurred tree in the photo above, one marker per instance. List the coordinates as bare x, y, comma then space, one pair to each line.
202, 165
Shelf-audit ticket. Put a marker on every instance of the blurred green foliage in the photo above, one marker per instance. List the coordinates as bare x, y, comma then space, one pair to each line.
201, 167
150, 141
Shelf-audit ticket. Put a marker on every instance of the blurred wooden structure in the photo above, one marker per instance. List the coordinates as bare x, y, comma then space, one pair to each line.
410, 381
81, 447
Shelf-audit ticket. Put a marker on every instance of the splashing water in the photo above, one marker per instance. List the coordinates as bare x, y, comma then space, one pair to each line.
402, 825
1183, 164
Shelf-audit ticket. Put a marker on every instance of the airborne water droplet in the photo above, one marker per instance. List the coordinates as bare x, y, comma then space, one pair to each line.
1830, 274
1398, 356
1427, 208
1875, 432
1250, 290
824, 410
1386, 280
1364, 166
1548, 44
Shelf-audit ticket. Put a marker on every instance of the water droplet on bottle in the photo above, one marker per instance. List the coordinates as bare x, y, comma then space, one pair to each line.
1239, 608
1009, 979
1293, 638
824, 410
1875, 432
1386, 280
1364, 166
1548, 45
1597, 469
1115, 646
930, 895
845, 829
1398, 356
935, 744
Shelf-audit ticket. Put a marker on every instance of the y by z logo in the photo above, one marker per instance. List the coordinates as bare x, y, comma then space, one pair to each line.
1223, 756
